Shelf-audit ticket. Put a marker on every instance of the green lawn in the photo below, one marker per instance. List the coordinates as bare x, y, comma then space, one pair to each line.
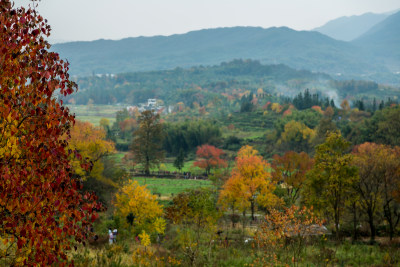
188, 167
170, 187
94, 113
95, 120
118, 156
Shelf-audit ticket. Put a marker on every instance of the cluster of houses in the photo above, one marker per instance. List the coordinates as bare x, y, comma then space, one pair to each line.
151, 104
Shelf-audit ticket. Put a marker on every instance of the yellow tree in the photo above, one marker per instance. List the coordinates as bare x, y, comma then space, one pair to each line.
90, 143
141, 209
251, 175
297, 135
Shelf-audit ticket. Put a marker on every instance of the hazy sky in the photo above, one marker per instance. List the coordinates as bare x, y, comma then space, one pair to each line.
116, 19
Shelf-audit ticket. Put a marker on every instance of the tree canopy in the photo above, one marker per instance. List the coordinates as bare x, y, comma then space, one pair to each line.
147, 142
42, 212
332, 178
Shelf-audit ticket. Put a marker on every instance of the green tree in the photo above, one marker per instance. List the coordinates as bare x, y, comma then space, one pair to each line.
291, 169
325, 126
385, 126
372, 161
332, 179
297, 136
180, 160
196, 216
147, 142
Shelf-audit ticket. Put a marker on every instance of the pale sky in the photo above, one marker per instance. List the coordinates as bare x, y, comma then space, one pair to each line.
73, 20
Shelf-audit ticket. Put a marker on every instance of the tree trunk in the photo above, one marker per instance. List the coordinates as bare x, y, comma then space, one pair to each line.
233, 217
147, 166
388, 216
252, 209
391, 230
354, 222
372, 226
337, 225
243, 223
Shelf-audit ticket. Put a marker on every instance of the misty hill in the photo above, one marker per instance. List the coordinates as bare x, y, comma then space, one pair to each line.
297, 49
384, 40
349, 28
219, 82
193, 84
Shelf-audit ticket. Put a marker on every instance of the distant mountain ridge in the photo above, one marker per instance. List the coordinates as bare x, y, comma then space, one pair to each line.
374, 55
383, 40
297, 49
350, 28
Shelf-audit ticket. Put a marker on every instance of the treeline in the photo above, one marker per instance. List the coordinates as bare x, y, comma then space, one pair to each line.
181, 85
297, 124
352, 87
188, 135
307, 100
222, 83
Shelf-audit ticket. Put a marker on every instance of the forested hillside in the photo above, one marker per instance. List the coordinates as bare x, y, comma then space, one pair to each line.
203, 84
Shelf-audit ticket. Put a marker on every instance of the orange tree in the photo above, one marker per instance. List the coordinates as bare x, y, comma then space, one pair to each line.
286, 231
209, 157
250, 182
41, 211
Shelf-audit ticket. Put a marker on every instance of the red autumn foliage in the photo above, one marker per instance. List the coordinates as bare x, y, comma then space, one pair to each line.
41, 209
266, 105
209, 157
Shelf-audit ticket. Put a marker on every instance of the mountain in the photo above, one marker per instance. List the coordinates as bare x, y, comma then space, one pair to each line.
383, 41
349, 28
297, 49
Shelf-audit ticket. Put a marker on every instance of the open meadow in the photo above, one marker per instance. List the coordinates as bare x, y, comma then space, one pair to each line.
94, 113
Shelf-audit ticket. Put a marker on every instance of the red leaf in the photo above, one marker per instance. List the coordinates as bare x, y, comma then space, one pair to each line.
20, 243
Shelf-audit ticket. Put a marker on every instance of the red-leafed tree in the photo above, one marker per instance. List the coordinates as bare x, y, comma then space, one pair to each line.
42, 212
208, 157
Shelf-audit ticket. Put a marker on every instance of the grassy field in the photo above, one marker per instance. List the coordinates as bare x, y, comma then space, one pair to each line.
94, 113
167, 165
170, 187
188, 167
118, 156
